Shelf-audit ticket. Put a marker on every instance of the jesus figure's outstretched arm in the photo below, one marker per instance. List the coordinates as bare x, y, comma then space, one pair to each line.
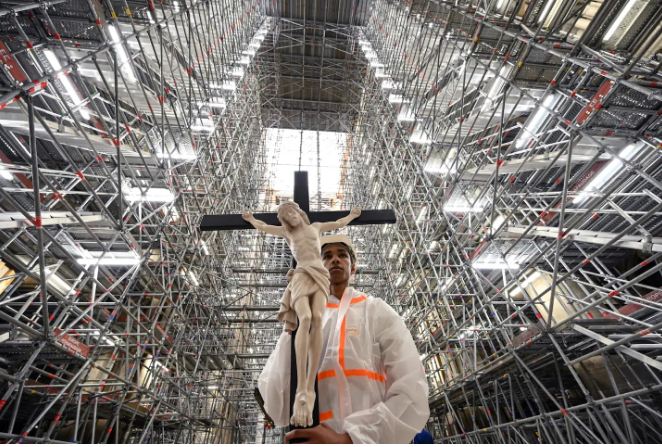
259, 225
342, 222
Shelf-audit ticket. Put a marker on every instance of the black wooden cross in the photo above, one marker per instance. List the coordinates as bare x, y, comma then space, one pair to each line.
224, 222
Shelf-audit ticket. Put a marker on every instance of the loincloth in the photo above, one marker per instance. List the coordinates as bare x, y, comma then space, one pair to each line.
303, 281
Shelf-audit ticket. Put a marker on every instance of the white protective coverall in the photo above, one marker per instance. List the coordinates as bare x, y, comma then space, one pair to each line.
371, 381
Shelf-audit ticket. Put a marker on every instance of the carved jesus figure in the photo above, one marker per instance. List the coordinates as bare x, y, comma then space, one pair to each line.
305, 296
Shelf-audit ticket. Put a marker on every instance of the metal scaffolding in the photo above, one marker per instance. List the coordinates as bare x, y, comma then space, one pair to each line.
518, 141
121, 124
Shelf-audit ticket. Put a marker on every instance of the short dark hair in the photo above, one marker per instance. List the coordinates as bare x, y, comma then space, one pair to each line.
352, 255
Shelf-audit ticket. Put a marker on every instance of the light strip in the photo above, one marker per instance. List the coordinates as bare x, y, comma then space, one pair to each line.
535, 123
609, 172
5, 174
420, 135
118, 258
421, 215
124, 64
177, 155
497, 85
543, 14
161, 195
463, 209
68, 85
621, 16
498, 265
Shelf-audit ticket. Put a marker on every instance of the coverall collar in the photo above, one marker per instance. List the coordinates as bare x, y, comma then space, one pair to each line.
349, 293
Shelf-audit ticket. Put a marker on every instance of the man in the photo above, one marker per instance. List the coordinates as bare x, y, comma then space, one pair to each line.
372, 385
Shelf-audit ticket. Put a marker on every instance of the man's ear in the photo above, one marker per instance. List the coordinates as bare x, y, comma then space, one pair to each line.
354, 266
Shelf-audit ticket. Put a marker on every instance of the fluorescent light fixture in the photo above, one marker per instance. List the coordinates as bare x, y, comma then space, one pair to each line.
498, 221
619, 19
110, 258
495, 265
216, 102
497, 85
609, 172
440, 168
421, 215
440, 164
67, 84
400, 280
182, 153
390, 84
249, 52
193, 278
406, 115
227, 84
380, 73
501, 3
432, 246
462, 205
90, 73
174, 214
159, 195
394, 250
545, 10
123, 58
201, 124
108, 342
395, 98
5, 174
446, 284
237, 71
244, 60
534, 123
463, 209
420, 135
376, 64
175, 6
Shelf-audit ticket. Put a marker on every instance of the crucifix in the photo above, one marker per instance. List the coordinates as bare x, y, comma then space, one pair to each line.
237, 222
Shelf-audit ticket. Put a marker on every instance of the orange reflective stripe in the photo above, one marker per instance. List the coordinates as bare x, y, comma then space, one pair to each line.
356, 300
365, 373
341, 348
326, 374
325, 416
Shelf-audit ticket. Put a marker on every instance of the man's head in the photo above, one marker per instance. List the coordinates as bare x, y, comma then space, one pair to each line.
338, 257
290, 215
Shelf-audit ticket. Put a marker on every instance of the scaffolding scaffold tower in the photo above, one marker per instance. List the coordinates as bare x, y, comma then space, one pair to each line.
518, 141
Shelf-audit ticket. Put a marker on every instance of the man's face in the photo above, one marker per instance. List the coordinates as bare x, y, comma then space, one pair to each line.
338, 262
